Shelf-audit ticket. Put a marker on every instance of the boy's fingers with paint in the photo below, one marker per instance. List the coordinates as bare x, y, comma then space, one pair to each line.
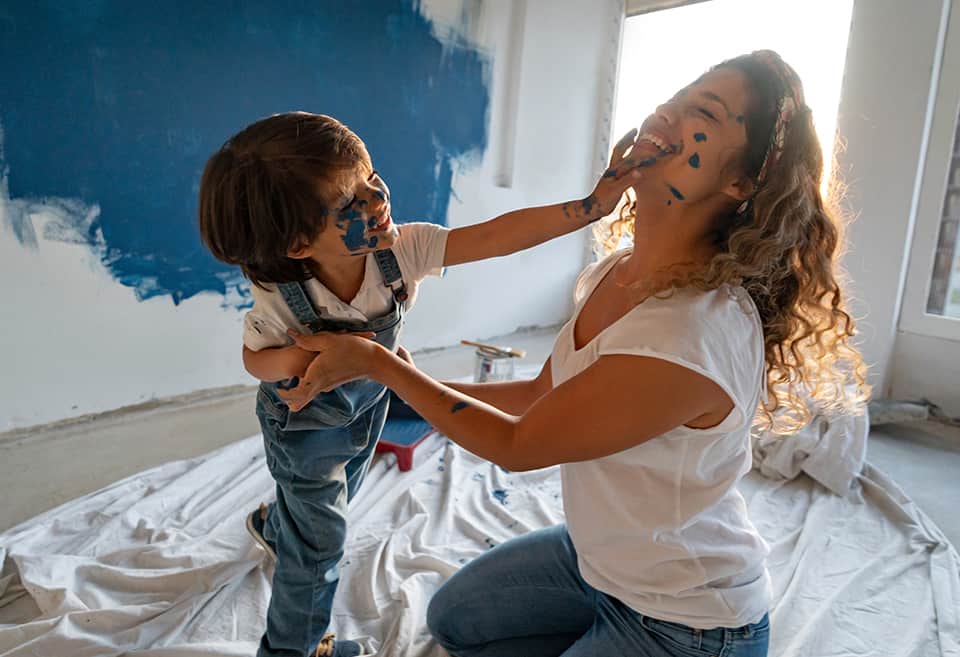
625, 170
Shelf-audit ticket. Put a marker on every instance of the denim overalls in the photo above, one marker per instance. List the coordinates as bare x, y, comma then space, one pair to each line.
318, 457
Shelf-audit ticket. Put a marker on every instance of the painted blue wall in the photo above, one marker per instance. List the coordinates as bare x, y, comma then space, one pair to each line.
120, 104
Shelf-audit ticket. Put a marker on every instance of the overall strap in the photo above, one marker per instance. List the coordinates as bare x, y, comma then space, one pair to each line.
392, 277
295, 295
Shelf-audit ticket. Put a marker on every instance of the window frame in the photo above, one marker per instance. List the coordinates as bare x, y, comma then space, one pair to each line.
943, 122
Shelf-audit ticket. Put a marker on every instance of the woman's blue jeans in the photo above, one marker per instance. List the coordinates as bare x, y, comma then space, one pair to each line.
526, 598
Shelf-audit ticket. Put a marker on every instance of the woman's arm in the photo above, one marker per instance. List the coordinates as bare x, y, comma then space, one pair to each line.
618, 402
513, 397
522, 229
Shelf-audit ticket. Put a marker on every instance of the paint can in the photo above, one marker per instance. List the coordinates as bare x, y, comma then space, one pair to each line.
492, 367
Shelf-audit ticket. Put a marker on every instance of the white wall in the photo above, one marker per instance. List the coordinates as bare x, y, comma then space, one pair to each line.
77, 342
882, 111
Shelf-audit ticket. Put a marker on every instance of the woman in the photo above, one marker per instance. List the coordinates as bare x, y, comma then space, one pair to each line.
726, 305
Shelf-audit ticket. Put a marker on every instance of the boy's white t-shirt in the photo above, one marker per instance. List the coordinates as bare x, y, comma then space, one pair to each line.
419, 249
661, 526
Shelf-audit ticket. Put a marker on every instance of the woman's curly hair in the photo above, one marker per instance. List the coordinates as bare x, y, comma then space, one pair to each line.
784, 249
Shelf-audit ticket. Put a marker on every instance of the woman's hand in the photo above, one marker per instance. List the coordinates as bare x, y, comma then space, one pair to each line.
340, 358
624, 171
405, 355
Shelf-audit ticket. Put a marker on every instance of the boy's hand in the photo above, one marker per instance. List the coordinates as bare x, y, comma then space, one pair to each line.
339, 358
623, 172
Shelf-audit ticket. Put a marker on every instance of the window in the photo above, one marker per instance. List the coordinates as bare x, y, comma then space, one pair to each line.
665, 50
944, 298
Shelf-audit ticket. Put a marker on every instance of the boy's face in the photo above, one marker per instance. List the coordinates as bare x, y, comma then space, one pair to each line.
358, 221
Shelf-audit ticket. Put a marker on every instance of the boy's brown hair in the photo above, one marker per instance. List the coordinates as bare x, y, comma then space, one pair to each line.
261, 193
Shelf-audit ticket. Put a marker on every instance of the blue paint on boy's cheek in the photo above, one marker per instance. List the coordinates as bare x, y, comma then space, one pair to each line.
675, 192
699, 136
354, 238
694, 160
354, 229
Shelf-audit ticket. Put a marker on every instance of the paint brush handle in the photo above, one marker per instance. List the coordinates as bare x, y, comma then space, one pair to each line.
494, 350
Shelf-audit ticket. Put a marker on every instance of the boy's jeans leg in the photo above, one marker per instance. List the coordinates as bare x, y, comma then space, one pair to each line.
357, 467
311, 523
307, 525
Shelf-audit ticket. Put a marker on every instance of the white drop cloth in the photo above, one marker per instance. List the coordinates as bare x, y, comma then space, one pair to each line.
160, 565
830, 448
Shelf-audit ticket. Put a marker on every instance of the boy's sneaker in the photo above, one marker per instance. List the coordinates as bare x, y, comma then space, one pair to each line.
255, 523
330, 648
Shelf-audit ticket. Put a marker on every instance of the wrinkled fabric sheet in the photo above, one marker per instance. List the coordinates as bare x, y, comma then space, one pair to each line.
830, 448
160, 564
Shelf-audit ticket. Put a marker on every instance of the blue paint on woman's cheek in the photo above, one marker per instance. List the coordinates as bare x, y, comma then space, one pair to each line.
695, 160
676, 192
699, 136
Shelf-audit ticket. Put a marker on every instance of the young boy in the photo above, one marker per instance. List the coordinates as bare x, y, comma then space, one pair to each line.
294, 200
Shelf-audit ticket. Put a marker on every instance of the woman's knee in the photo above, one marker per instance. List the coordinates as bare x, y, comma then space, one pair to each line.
439, 616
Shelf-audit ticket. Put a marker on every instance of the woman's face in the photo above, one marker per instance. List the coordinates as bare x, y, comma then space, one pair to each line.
703, 130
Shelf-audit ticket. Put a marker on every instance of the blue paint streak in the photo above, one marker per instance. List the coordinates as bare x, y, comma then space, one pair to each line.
647, 162
135, 98
699, 136
349, 221
675, 192
695, 160
354, 238
501, 495
588, 204
459, 406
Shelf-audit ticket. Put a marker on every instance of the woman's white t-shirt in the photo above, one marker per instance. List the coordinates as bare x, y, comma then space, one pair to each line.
661, 526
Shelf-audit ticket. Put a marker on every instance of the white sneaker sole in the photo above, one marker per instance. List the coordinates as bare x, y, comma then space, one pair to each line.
255, 535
